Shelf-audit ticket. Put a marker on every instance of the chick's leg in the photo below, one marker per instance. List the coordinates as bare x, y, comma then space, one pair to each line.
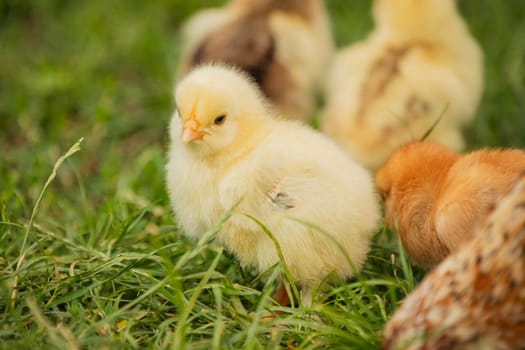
281, 296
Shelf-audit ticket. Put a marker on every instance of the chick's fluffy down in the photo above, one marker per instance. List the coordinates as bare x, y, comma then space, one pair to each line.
283, 173
419, 65
434, 198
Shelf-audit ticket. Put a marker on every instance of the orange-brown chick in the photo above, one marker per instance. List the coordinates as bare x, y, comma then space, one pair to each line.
434, 197
475, 298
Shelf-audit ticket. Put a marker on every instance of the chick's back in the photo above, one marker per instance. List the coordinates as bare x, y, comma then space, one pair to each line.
471, 188
420, 64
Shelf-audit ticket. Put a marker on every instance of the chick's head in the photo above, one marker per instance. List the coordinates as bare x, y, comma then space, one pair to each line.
424, 17
217, 108
387, 179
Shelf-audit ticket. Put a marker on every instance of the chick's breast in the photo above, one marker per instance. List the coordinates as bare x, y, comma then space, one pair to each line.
299, 185
192, 191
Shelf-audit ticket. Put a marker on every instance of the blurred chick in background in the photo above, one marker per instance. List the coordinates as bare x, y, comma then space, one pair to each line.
226, 147
475, 298
419, 63
434, 198
285, 45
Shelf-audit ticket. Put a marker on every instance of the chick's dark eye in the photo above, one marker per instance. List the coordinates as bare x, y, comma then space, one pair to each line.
220, 119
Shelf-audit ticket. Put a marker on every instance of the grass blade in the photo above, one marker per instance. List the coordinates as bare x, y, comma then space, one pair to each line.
72, 150
280, 254
433, 126
179, 333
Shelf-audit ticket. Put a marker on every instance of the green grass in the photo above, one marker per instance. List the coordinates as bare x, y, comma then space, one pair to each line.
93, 259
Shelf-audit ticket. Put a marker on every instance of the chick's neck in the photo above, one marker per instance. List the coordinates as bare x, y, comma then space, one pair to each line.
246, 140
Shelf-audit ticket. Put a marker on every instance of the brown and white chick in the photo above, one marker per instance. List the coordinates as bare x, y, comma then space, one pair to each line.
475, 299
434, 198
285, 45
419, 64
228, 148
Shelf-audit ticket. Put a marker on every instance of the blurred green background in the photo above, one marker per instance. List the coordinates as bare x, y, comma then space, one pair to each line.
104, 70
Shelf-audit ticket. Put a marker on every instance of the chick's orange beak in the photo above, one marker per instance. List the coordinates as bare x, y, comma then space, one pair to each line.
191, 128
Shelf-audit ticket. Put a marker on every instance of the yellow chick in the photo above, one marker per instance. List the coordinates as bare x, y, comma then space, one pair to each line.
226, 147
475, 298
419, 64
434, 198
285, 45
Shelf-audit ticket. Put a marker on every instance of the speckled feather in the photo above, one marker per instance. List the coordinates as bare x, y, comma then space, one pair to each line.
475, 299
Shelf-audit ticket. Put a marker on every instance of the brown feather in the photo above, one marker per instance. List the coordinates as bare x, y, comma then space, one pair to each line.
435, 198
246, 44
